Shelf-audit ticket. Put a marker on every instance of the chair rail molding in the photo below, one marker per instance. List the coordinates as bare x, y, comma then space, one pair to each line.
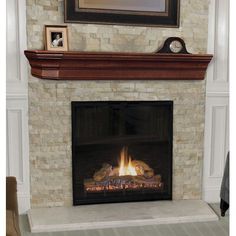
217, 101
17, 101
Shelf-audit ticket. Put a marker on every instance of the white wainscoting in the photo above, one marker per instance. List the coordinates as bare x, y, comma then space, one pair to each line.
216, 145
17, 148
17, 101
217, 101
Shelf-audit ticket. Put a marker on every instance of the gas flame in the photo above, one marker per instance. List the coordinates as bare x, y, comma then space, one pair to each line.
126, 167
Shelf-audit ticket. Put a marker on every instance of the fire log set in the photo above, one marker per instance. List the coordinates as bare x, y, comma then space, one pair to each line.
129, 175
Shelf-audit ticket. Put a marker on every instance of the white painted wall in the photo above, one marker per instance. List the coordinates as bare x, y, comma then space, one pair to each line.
217, 101
17, 101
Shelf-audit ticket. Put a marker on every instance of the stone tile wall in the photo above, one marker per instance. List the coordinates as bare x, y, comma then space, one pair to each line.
49, 101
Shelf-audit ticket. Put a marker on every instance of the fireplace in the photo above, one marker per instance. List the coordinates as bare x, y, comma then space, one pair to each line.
122, 151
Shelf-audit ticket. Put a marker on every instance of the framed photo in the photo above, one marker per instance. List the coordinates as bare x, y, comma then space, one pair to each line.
163, 13
56, 38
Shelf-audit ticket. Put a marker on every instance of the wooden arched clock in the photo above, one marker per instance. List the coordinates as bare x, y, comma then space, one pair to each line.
174, 45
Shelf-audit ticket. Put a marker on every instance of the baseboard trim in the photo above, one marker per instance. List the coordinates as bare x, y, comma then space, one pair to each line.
211, 195
23, 202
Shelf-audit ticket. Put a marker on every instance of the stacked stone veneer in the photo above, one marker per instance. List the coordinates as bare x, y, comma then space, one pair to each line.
49, 101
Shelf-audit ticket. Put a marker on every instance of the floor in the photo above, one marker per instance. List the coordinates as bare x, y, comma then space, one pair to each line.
218, 228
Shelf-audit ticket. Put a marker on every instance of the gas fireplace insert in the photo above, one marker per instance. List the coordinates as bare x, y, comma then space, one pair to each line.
121, 151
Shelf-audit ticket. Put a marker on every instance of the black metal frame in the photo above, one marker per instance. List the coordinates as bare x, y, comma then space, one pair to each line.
170, 19
161, 196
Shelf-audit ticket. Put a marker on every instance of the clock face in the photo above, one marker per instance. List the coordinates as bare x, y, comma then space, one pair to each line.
176, 46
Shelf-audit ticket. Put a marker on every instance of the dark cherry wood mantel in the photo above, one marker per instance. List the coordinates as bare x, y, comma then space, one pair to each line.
117, 66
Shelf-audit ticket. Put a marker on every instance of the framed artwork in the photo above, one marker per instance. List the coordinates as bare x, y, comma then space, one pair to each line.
56, 38
163, 13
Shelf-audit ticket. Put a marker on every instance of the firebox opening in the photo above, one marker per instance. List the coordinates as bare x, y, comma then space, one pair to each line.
121, 151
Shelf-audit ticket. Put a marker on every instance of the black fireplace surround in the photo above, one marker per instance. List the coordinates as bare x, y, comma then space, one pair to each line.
121, 151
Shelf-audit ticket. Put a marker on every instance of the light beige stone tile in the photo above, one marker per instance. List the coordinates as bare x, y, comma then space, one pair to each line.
49, 101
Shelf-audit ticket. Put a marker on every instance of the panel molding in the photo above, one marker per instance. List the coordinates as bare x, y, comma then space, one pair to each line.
16, 44
215, 161
17, 163
18, 148
217, 94
218, 45
14, 143
13, 41
216, 140
17, 97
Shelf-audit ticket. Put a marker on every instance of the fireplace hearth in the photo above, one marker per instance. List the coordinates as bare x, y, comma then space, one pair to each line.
122, 151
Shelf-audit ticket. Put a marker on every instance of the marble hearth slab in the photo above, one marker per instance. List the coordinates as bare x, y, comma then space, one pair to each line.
119, 215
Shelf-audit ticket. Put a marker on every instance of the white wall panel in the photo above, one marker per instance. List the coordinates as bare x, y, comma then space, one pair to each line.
17, 101
217, 101
218, 136
218, 44
16, 43
18, 148
14, 143
13, 47
216, 146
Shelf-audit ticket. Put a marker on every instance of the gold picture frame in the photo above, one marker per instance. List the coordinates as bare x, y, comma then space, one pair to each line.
56, 38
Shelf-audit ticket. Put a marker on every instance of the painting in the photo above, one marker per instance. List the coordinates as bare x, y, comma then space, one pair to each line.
124, 5
163, 13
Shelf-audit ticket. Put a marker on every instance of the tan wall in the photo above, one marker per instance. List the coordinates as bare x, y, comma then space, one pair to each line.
49, 101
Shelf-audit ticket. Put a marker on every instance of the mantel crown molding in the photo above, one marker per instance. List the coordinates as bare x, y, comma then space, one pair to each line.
117, 66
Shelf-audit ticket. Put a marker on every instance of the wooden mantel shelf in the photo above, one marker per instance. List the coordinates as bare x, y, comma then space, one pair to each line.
117, 66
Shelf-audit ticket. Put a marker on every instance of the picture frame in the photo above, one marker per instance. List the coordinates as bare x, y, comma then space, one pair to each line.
56, 38
161, 13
